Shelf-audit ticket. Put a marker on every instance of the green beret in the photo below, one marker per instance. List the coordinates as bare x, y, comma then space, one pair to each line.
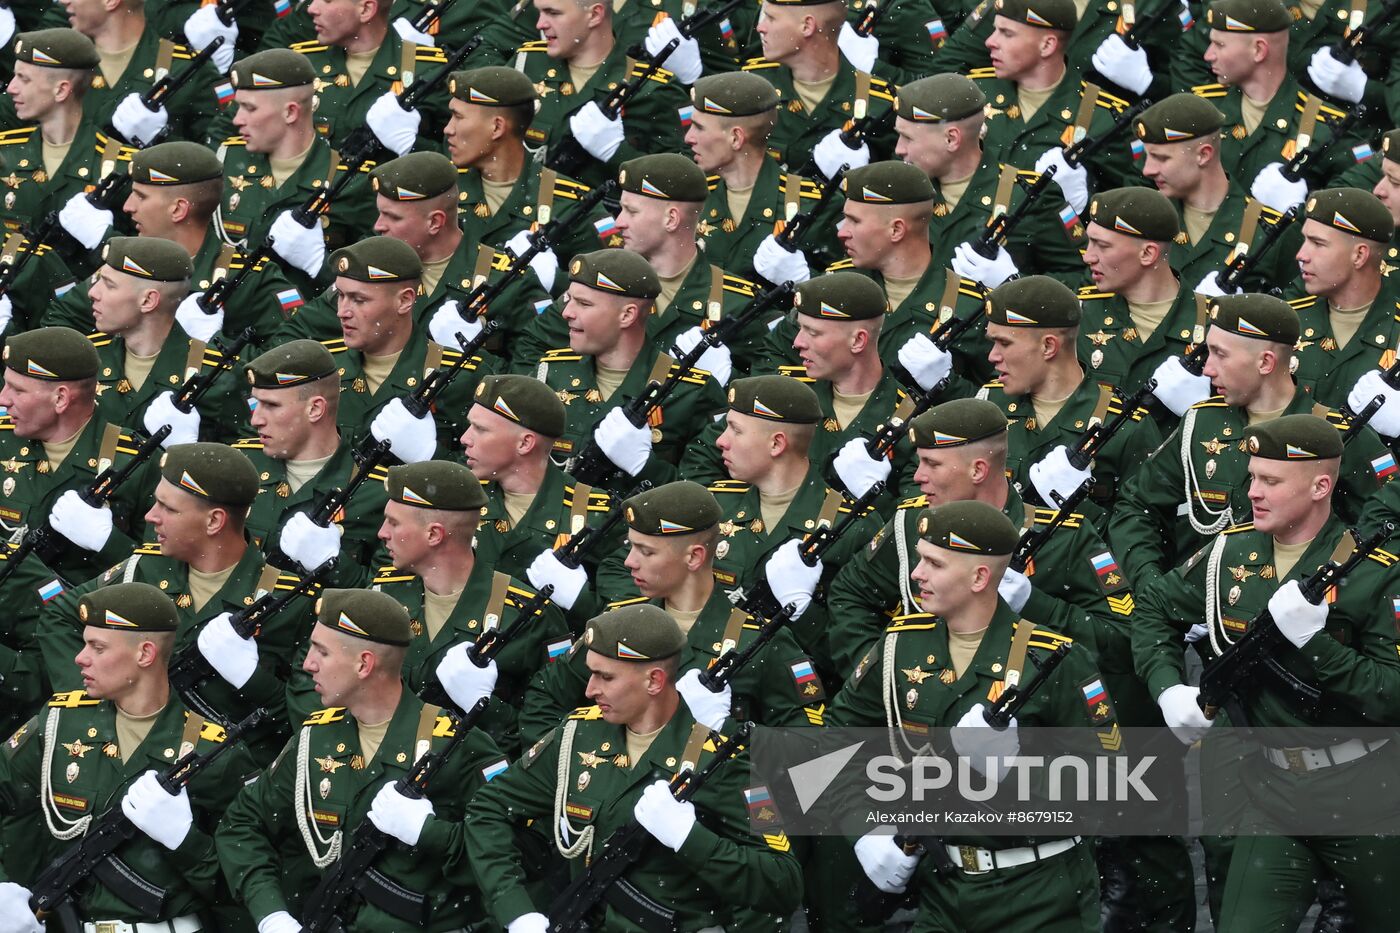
969, 526
666, 176
56, 48
1140, 212
939, 98
1047, 14
1262, 317
131, 607
887, 183
1177, 118
148, 257
415, 177
775, 398
678, 508
1294, 437
841, 296
619, 271
641, 632
272, 69
177, 163
492, 86
1033, 301
291, 364
1249, 16
1353, 211
734, 94
957, 423
526, 401
216, 473
378, 259
436, 484
367, 614
1390, 145
54, 354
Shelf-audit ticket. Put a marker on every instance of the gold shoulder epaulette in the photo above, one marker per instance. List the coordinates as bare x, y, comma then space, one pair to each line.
537, 45
248, 443
841, 264
1109, 101
430, 53
310, 45
881, 90
1092, 291
739, 284
325, 716
754, 64
695, 376
913, 622
393, 575
1209, 90
99, 338
916, 502
234, 141
72, 699
732, 486
1215, 401
587, 712
1236, 529
627, 602
1383, 557
1046, 516
795, 372
17, 136
560, 355
978, 73
148, 550
335, 346
1307, 301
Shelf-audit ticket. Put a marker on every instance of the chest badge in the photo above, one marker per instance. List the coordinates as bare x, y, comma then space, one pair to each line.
916, 674
324, 788
77, 749
911, 699
583, 779
329, 765
71, 772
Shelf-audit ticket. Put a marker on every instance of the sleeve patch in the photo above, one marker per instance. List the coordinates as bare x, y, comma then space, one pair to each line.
808, 684
1097, 700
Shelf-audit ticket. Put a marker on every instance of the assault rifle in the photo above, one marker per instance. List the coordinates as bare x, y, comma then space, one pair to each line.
1242, 264
1344, 49
1294, 168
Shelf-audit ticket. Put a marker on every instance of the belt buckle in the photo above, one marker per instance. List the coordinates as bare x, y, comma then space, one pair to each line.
968, 856
1293, 758
106, 926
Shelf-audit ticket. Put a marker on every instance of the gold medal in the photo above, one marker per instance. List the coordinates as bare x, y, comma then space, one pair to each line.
593, 396
123, 387
728, 225
482, 211
831, 425
359, 385
184, 600
656, 435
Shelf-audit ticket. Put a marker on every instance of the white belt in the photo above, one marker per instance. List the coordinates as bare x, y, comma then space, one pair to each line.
1302, 760
975, 861
189, 923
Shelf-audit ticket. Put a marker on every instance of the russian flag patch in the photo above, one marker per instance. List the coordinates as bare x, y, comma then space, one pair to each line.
1384, 466
606, 227
685, 113
224, 92
281, 7
490, 771
937, 32
49, 590
290, 300
1362, 152
1068, 217
557, 649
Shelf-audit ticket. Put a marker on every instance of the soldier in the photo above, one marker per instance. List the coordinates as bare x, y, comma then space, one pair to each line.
53, 443
1051, 401
43, 278
750, 194
579, 56
1346, 646
609, 361
202, 557
633, 739
964, 548
127, 718
300, 456
279, 835
939, 122
1251, 340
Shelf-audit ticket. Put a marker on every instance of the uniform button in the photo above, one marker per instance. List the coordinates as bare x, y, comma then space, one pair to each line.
1282, 123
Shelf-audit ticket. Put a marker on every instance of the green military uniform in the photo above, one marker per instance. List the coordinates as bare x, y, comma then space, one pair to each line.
191, 109
26, 588
910, 32
43, 279
582, 773
1114, 351
501, 25
45, 763
279, 835
548, 523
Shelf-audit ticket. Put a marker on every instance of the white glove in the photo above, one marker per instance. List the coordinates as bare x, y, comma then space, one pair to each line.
1177, 387
1182, 713
883, 862
832, 155
1344, 82
392, 125
627, 446
1055, 476
861, 51
308, 543
447, 322
7, 311
203, 27
983, 746
1014, 589
1277, 191
544, 264
1210, 286
791, 580
279, 922
547, 569
411, 439
1124, 66
527, 923
399, 816
665, 817
709, 709
7, 32
1196, 633
1073, 180
194, 320
970, 264
86, 526
925, 361
857, 470
165, 818
598, 135
184, 426
15, 913
404, 27
83, 222
779, 265
684, 62
464, 682
136, 123
302, 247
716, 360
1298, 619
1386, 420
235, 658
